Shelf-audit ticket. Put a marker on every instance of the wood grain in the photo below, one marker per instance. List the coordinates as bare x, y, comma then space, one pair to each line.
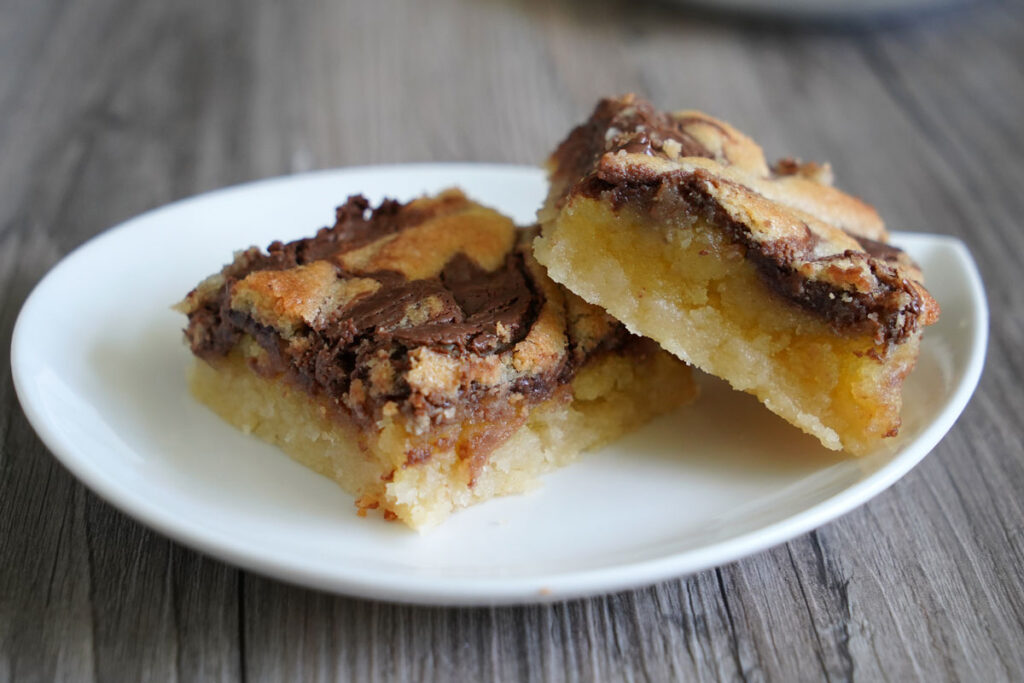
111, 107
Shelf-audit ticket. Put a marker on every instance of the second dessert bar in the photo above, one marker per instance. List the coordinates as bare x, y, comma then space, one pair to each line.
765, 276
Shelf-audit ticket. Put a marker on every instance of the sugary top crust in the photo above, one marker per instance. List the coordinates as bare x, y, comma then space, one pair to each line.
423, 306
823, 249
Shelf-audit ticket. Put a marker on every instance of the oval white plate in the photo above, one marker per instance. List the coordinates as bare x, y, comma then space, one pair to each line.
99, 367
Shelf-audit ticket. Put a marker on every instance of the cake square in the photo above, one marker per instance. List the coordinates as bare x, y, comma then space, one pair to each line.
765, 276
417, 354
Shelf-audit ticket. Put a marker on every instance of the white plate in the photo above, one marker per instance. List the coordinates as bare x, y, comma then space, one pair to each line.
99, 367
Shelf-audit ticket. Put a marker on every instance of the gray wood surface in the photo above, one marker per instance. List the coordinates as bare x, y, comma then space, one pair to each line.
112, 107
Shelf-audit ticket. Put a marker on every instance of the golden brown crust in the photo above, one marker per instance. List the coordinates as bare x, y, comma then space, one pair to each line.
304, 295
631, 131
422, 251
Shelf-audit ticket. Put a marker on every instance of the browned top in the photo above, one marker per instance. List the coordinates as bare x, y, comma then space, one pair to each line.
817, 246
420, 307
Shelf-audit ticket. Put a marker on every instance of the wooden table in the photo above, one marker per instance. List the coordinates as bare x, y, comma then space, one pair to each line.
111, 108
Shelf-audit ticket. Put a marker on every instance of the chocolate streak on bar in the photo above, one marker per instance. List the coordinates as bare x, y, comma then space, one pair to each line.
881, 314
638, 128
474, 313
879, 250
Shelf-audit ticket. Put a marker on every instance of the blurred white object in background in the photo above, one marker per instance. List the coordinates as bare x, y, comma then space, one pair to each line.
825, 9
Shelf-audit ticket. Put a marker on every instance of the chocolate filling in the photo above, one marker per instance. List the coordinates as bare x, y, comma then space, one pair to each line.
879, 250
638, 128
884, 313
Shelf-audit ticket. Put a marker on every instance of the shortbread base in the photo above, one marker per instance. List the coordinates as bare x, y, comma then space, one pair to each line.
688, 287
609, 396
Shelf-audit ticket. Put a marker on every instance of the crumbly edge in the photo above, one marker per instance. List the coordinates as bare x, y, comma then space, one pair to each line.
611, 395
690, 289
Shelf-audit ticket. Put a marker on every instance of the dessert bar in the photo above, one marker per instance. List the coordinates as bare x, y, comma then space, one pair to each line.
418, 355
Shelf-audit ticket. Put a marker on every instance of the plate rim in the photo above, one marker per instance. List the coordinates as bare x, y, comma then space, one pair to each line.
466, 591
